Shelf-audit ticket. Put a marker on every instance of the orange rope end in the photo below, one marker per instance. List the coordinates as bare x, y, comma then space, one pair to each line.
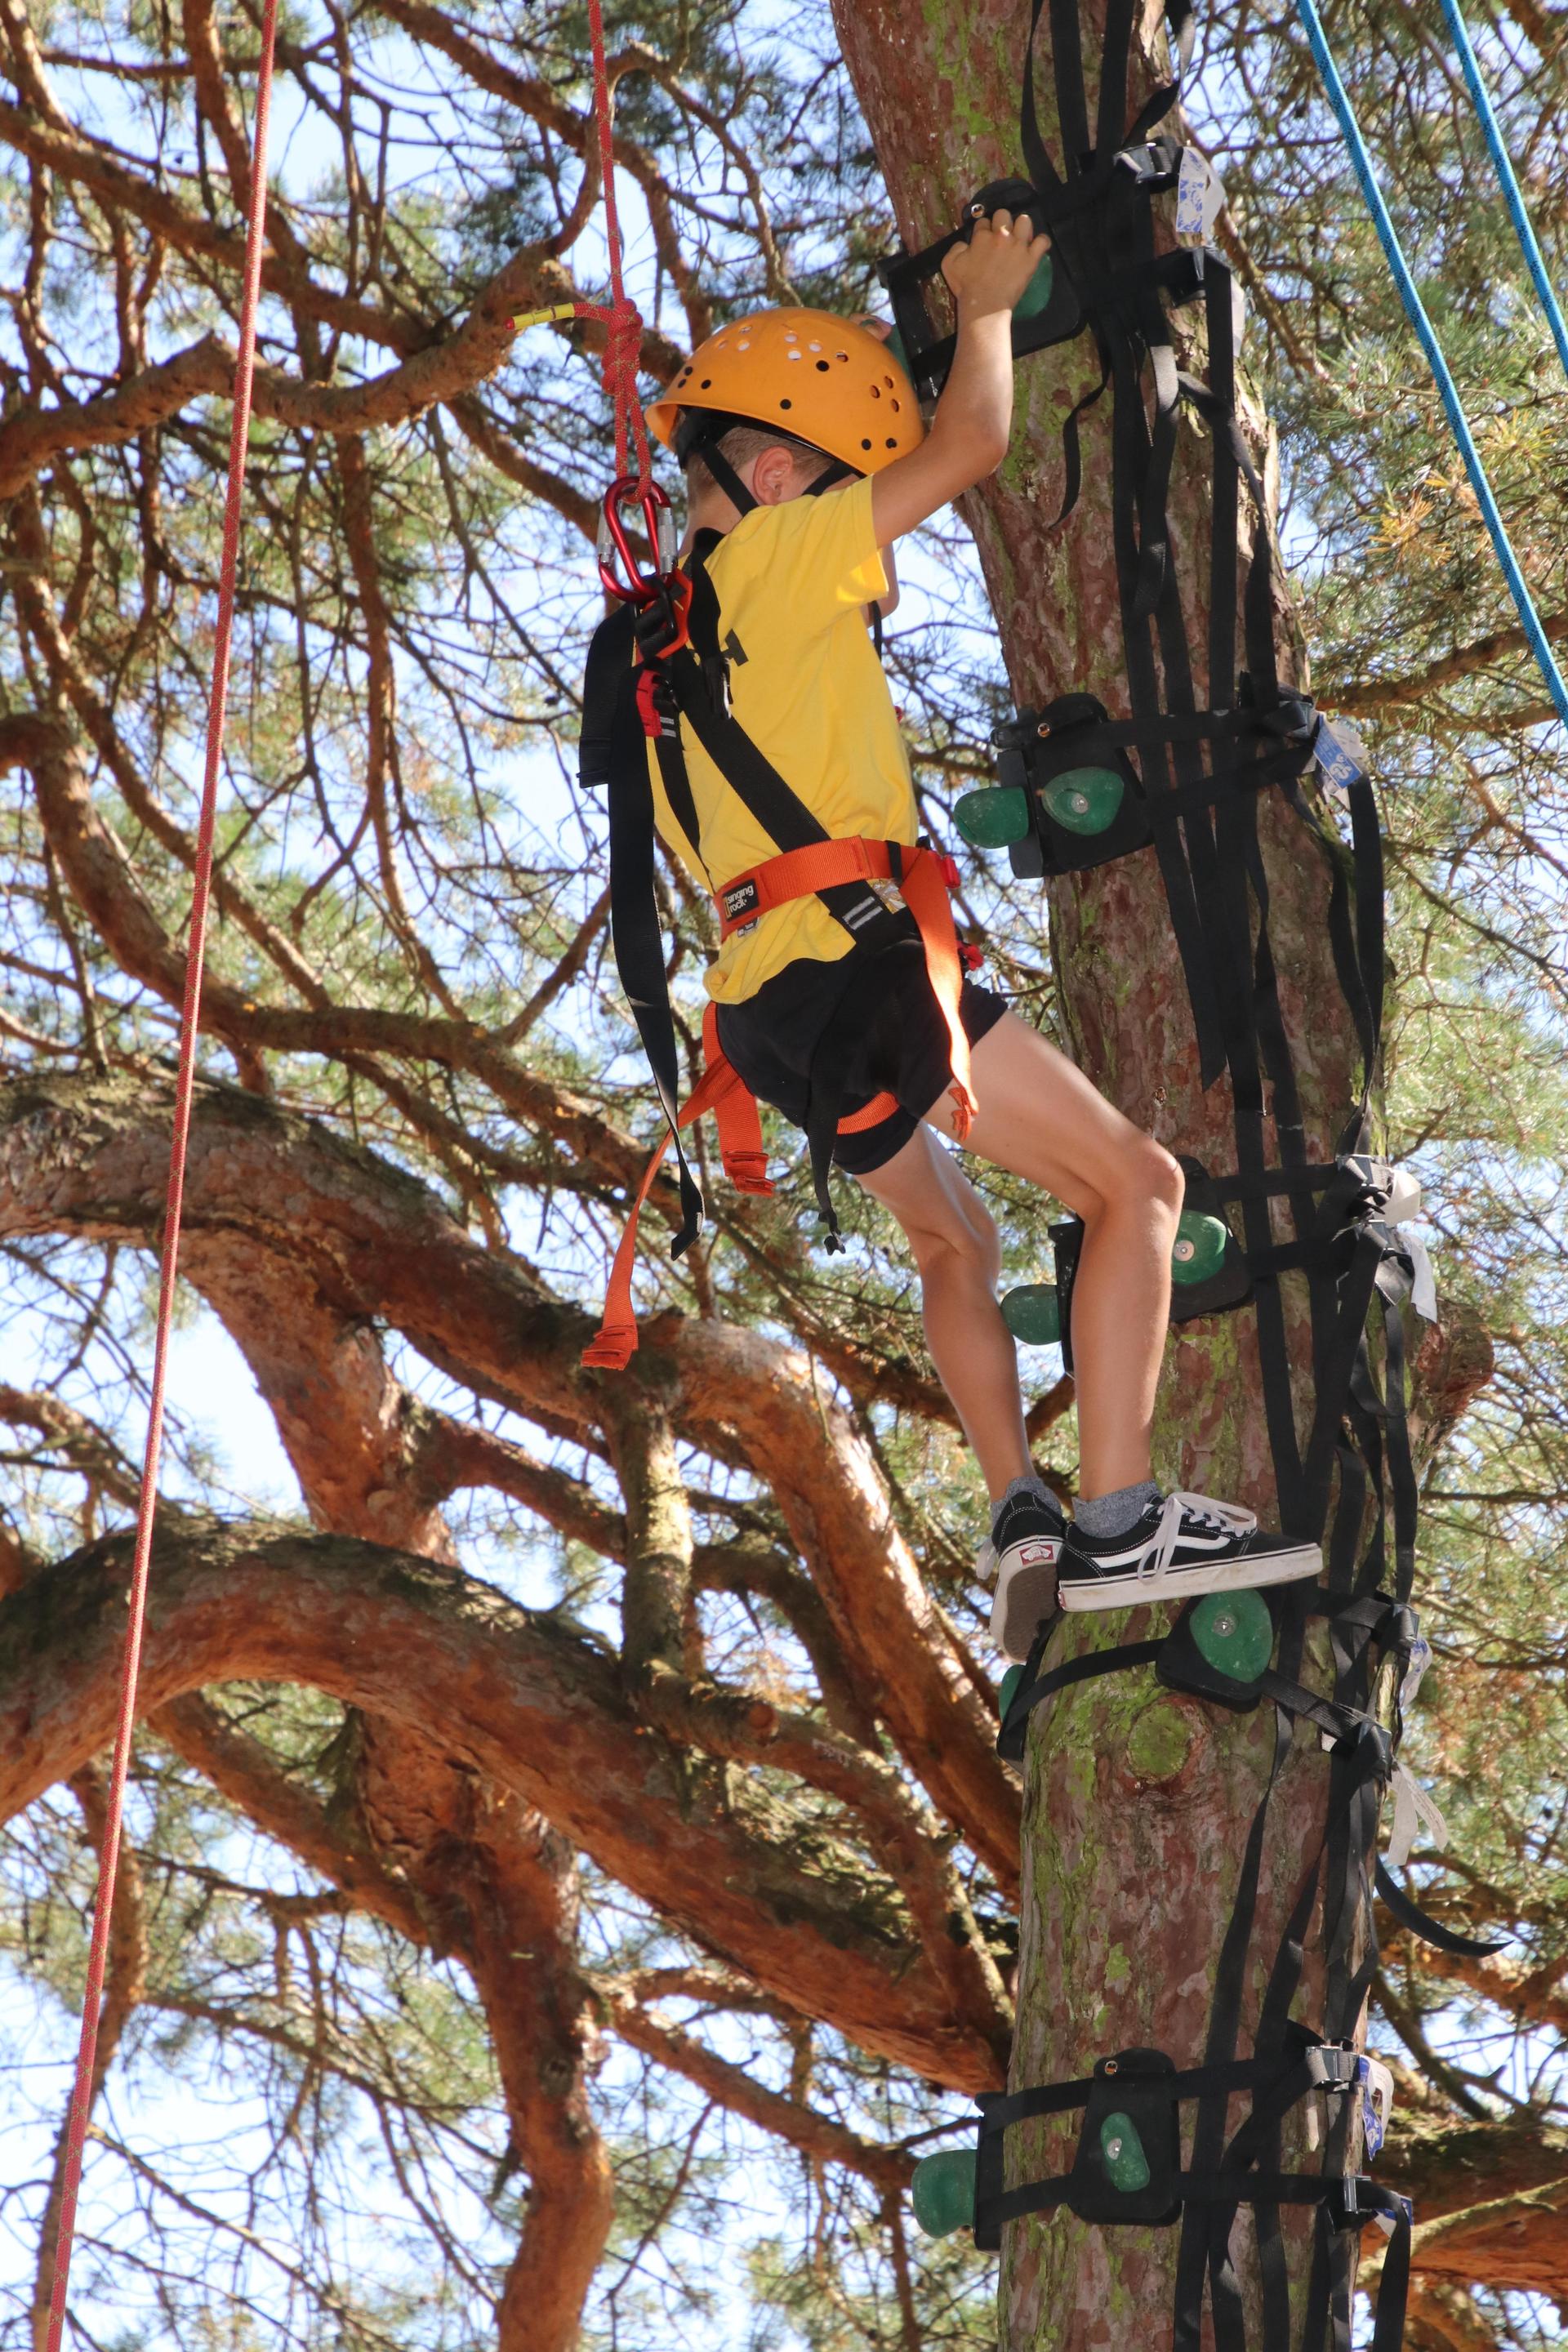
748, 1171
611, 1348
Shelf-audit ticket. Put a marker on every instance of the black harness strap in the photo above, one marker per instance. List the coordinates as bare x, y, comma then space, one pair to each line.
614, 756
696, 680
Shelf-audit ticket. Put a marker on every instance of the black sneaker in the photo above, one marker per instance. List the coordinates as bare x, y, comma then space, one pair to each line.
1026, 1541
1188, 1544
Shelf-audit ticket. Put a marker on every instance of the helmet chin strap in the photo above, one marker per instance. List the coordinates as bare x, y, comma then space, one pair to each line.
698, 434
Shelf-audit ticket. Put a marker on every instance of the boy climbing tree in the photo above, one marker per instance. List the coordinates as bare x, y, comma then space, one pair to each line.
752, 703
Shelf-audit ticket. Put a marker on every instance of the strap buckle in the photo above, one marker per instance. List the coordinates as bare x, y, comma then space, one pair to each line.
658, 719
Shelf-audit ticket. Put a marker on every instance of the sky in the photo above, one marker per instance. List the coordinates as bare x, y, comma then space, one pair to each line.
212, 1392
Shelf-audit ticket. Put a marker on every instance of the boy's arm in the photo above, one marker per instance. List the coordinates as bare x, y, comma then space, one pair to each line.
969, 434
888, 604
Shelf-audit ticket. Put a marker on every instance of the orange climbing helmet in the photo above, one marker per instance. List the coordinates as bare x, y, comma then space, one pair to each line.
812, 376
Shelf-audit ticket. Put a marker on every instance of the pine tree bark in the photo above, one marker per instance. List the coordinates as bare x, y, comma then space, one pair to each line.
1138, 1801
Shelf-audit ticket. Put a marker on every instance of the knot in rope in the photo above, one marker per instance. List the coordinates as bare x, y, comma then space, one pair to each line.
623, 358
622, 319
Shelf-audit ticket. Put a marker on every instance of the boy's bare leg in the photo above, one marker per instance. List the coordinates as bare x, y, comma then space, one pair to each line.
1040, 1118
955, 1249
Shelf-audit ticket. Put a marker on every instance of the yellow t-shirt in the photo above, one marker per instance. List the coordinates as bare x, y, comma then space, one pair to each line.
806, 684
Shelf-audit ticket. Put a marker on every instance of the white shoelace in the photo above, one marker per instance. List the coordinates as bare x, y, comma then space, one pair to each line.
1211, 1517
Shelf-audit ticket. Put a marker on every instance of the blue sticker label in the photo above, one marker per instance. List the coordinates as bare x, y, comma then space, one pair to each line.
1377, 2087
1340, 755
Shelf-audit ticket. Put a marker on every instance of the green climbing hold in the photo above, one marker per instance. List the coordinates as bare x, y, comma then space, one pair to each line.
1200, 1247
1033, 1314
1126, 2166
1084, 799
942, 2192
1009, 1691
1235, 1632
994, 818
1037, 295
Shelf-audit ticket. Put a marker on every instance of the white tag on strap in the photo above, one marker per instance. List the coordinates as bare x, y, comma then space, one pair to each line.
1200, 196
1420, 1659
1424, 1285
1413, 1808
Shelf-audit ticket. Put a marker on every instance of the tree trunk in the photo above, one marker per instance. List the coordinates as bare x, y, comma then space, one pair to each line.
1139, 1802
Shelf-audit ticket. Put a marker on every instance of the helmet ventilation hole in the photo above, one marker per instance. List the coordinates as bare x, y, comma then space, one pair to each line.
786, 404
823, 365
865, 445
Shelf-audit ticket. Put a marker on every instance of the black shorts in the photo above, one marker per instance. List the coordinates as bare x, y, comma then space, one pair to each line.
771, 1038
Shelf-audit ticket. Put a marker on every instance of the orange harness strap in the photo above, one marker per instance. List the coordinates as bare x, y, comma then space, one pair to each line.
924, 877
723, 1091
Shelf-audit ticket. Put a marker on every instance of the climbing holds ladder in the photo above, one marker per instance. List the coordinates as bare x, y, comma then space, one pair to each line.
1077, 789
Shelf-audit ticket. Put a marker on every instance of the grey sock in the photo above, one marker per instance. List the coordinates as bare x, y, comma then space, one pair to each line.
1116, 1514
1030, 1483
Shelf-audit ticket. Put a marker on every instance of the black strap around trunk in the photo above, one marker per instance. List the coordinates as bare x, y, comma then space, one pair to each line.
1208, 747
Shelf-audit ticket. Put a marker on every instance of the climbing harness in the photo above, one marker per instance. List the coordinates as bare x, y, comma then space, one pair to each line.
627, 706
79, 2112
1458, 423
1076, 789
654, 666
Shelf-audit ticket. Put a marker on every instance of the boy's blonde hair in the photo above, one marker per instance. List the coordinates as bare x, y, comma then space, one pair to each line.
740, 445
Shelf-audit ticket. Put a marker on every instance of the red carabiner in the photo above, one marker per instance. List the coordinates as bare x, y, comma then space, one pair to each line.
665, 591
619, 566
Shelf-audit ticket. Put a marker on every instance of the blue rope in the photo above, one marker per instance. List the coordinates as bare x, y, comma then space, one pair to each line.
1513, 196
1388, 237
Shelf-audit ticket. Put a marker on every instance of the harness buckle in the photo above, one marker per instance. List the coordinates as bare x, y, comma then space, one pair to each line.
949, 869
662, 624
658, 719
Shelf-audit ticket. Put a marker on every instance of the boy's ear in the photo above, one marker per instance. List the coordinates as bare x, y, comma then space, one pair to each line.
775, 476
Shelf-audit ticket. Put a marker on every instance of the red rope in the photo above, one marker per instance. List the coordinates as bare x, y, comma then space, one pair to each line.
623, 321
109, 1859
623, 350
